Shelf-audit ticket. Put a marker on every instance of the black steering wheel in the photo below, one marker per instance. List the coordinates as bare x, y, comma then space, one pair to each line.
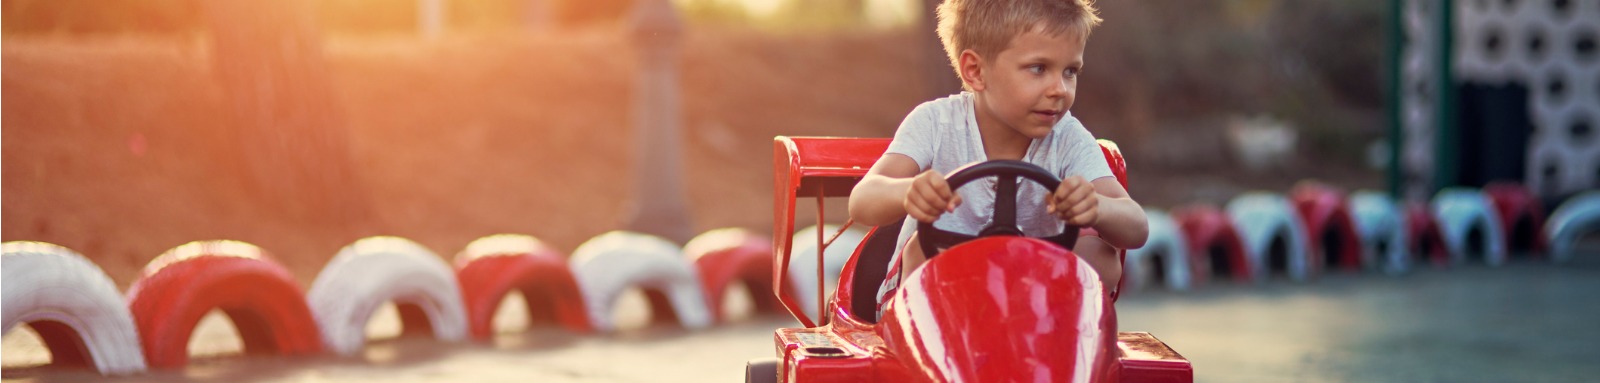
934, 239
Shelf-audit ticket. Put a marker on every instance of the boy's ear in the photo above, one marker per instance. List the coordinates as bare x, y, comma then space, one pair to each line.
971, 69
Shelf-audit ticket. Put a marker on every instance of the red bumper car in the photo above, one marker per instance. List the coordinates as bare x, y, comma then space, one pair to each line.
994, 306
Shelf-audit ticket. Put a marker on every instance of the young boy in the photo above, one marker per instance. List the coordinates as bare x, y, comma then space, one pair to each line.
1019, 61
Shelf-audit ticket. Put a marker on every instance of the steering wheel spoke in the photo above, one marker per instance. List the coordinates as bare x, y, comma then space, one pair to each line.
1005, 208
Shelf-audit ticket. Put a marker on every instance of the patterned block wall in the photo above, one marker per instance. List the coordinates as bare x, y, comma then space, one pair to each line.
1548, 46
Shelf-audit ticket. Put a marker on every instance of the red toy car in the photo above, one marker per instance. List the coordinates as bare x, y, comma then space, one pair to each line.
994, 307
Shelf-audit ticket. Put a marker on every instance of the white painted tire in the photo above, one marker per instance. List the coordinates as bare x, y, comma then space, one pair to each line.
1261, 216
803, 261
48, 283
611, 263
1379, 220
1578, 215
376, 270
1458, 211
1167, 241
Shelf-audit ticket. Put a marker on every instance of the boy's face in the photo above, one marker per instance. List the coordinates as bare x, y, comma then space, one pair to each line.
1031, 84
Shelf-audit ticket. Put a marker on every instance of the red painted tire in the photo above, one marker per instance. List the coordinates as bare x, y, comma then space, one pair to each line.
1207, 228
1521, 216
1426, 240
259, 295
1326, 214
494, 266
724, 256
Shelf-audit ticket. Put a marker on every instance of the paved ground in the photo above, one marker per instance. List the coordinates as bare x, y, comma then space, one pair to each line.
1526, 321
1522, 322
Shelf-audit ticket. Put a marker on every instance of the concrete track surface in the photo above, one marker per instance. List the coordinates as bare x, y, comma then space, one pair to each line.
1525, 321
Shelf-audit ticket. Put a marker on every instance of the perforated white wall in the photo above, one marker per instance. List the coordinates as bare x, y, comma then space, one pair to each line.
1549, 46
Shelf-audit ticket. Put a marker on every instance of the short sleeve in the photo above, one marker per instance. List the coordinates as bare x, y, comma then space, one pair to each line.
1084, 157
917, 136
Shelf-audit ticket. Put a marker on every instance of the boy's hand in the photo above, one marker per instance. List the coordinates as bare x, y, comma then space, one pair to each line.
929, 197
1075, 202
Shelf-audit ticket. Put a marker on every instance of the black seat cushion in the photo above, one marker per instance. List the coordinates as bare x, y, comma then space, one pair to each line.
871, 268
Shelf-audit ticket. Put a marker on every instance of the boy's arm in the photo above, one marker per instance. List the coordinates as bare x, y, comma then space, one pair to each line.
881, 198
1121, 220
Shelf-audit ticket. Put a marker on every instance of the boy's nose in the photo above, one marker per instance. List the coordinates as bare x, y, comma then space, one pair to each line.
1058, 89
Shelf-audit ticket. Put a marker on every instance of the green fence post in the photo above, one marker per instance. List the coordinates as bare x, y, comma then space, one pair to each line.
1446, 138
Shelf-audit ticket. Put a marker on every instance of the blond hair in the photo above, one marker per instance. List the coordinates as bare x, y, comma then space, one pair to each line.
987, 26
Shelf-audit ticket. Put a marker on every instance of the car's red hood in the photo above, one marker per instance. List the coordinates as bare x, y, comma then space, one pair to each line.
1003, 309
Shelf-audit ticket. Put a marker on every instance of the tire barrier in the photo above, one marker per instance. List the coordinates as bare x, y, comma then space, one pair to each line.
82, 320
494, 266
1521, 216
1460, 211
1264, 218
374, 270
1571, 220
1426, 239
73, 306
1165, 254
728, 255
610, 263
1215, 247
803, 262
257, 294
1330, 231
1382, 228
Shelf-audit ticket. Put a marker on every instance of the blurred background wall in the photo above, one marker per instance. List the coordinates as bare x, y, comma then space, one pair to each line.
135, 126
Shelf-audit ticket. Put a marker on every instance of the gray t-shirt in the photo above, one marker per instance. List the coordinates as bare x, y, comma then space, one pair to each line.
943, 135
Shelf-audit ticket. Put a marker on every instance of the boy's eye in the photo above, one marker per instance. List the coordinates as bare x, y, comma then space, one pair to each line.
1036, 69
1071, 72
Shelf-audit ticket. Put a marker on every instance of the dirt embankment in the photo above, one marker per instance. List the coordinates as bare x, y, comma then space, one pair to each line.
122, 148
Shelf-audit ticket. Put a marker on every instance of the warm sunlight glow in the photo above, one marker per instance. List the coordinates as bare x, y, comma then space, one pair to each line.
761, 8
24, 348
384, 323
891, 13
215, 335
512, 315
873, 13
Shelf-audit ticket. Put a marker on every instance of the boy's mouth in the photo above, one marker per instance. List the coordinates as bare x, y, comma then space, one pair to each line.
1048, 114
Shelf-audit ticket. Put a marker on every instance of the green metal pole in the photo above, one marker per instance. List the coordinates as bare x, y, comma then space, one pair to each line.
1446, 133
1396, 58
